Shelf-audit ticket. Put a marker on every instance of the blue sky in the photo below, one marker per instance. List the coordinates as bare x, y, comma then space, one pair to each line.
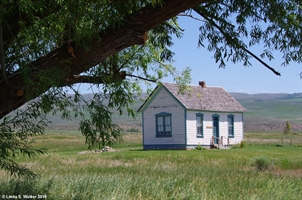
235, 77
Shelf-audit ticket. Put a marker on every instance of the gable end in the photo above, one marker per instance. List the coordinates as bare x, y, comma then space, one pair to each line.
153, 95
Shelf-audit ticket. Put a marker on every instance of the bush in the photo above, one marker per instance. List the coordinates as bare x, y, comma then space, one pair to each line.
132, 130
242, 144
261, 163
287, 129
199, 147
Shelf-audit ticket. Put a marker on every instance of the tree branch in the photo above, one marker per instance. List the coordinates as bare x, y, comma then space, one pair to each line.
126, 61
237, 43
101, 80
130, 32
142, 78
13, 27
109, 78
191, 16
2, 55
83, 79
261, 61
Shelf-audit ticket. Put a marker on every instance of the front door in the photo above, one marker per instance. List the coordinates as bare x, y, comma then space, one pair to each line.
216, 129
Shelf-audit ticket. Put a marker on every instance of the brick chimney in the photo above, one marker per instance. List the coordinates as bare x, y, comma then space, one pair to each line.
202, 84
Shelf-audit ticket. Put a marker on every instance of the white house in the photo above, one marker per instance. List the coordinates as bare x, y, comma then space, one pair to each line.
206, 116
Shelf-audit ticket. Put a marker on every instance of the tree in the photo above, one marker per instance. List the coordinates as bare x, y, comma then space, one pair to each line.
287, 129
116, 45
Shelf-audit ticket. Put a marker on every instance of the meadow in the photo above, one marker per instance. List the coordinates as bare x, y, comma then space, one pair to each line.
132, 173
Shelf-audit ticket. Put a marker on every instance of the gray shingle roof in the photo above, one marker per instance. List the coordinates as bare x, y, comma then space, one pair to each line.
206, 99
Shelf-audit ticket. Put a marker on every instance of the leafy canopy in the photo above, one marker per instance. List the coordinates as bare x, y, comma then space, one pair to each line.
48, 47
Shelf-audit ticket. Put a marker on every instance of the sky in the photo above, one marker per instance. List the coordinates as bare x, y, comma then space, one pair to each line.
234, 77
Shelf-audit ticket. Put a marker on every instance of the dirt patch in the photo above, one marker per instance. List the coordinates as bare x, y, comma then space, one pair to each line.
264, 140
297, 173
292, 173
105, 149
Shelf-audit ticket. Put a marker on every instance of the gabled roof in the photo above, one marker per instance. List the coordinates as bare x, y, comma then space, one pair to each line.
207, 99
204, 99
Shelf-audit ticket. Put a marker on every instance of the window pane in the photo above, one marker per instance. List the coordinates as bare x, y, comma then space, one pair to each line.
231, 126
168, 130
199, 121
159, 121
160, 130
167, 120
199, 130
231, 120
231, 132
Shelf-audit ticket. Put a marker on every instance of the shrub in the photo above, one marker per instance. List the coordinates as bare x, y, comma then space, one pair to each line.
242, 144
287, 129
199, 147
261, 163
132, 130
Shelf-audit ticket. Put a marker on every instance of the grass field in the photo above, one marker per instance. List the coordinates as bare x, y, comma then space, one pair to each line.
131, 173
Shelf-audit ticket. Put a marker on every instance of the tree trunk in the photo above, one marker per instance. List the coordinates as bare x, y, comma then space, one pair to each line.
132, 32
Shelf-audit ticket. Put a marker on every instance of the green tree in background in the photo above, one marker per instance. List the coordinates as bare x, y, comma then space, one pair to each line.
287, 129
49, 47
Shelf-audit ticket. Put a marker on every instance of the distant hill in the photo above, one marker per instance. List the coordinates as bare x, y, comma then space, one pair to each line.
269, 112
266, 112
259, 96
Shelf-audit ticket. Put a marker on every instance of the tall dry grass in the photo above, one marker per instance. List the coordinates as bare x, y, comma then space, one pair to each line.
131, 173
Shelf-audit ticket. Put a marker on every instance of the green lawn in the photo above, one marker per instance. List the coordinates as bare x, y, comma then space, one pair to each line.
131, 173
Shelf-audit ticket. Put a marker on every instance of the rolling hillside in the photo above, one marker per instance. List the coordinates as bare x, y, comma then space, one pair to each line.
266, 112
269, 112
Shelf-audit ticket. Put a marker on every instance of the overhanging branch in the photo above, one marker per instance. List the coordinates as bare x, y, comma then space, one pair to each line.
142, 78
11, 26
109, 78
83, 79
237, 43
190, 16
2, 55
131, 32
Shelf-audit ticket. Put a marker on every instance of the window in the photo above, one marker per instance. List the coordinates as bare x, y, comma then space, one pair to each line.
231, 125
199, 125
163, 125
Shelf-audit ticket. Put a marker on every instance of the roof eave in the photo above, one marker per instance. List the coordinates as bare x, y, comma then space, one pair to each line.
148, 98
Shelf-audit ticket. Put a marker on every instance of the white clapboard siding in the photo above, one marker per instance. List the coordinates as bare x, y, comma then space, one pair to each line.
238, 127
164, 102
192, 139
